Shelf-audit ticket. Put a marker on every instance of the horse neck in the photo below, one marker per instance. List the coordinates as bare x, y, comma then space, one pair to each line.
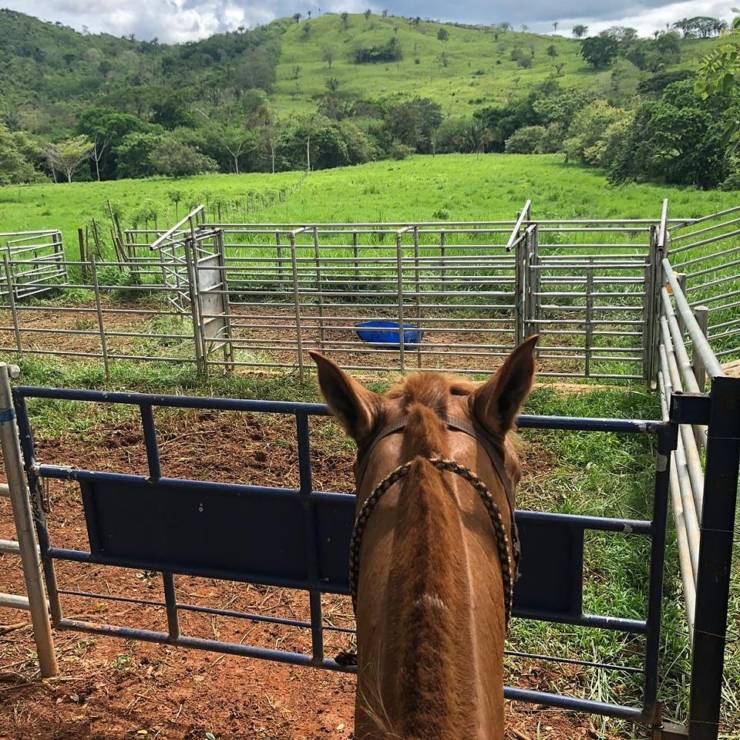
431, 683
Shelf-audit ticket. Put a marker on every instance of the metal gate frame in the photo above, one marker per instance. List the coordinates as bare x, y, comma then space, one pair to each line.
316, 514
112, 500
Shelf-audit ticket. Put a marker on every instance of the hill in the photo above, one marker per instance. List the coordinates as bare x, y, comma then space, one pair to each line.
473, 66
50, 72
347, 89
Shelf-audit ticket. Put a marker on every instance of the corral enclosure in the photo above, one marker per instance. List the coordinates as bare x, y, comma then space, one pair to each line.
261, 295
229, 296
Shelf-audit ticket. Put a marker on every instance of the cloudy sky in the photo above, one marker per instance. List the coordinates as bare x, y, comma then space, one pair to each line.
181, 20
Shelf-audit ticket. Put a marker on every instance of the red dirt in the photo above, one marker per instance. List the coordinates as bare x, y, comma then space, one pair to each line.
113, 688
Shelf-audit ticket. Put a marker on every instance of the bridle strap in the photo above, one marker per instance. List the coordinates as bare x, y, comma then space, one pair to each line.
495, 455
508, 568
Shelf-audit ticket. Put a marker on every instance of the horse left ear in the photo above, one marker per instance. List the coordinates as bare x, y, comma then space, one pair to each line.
355, 407
496, 403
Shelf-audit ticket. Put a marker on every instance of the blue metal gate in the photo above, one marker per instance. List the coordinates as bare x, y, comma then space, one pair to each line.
299, 538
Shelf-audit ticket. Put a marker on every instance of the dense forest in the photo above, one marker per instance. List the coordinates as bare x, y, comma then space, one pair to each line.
82, 106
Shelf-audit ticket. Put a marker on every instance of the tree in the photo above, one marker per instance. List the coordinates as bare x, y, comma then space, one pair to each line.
172, 111
414, 123
679, 139
67, 155
99, 146
599, 51
367, 14
327, 54
555, 26
700, 27
586, 133
344, 20
106, 128
443, 34
527, 140
297, 17
389, 52
552, 51
579, 31
15, 151
175, 158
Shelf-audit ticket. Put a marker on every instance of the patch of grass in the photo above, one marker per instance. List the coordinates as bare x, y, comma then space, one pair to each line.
466, 187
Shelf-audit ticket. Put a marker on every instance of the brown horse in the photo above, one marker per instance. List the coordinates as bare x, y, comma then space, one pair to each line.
431, 614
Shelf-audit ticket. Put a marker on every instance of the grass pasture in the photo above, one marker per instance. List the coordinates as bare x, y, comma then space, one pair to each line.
422, 188
472, 68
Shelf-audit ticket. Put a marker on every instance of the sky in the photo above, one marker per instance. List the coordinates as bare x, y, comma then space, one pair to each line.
184, 20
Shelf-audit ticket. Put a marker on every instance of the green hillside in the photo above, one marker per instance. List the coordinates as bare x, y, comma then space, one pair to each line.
50, 72
338, 90
471, 69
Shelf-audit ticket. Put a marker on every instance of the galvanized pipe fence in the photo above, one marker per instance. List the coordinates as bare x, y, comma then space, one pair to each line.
260, 296
630, 299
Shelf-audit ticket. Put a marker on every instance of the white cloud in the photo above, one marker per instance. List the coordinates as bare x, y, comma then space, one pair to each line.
183, 20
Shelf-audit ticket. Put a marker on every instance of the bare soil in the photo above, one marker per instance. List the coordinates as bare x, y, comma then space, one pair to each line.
113, 688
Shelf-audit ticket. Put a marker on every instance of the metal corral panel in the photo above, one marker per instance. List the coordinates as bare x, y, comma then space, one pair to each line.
262, 537
551, 567
247, 535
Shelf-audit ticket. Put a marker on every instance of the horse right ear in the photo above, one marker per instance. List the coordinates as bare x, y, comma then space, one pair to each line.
355, 407
497, 402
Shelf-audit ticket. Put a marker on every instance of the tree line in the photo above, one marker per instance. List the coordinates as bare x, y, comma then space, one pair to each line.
646, 124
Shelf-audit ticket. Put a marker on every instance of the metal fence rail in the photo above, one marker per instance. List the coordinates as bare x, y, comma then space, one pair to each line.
231, 296
32, 263
705, 254
313, 528
703, 495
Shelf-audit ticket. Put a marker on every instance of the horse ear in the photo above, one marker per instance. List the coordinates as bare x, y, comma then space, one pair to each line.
496, 403
355, 407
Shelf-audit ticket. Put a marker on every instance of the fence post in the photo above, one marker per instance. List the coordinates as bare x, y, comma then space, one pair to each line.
99, 311
194, 296
715, 558
296, 303
83, 249
520, 283
399, 289
589, 316
701, 314
24, 526
11, 303
535, 275
658, 250
225, 303
319, 284
417, 292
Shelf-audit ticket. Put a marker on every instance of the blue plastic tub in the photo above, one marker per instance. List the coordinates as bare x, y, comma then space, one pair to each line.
386, 334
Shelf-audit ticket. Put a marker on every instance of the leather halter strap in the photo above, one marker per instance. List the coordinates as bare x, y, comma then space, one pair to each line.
458, 425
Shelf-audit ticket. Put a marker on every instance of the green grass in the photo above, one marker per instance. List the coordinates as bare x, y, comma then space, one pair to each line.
479, 70
460, 187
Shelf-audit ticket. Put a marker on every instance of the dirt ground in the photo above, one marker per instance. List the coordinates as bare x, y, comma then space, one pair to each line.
114, 688
463, 339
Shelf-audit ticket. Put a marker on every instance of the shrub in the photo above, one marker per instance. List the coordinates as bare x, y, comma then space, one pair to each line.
400, 151
389, 52
527, 140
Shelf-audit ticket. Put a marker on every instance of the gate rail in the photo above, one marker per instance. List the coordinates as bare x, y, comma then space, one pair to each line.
305, 521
